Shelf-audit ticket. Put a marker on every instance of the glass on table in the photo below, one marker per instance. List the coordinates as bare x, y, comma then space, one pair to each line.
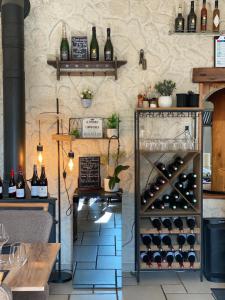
17, 255
4, 237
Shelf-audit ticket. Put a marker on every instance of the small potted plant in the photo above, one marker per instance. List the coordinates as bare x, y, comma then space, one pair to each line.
165, 89
111, 183
86, 98
113, 125
75, 133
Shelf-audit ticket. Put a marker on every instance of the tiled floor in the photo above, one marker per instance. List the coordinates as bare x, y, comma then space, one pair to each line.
97, 251
153, 286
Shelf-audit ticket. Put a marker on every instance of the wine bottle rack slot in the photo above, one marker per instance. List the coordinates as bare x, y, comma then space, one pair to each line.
185, 248
164, 266
166, 231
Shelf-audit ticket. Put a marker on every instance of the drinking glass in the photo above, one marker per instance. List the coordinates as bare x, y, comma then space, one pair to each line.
17, 255
4, 237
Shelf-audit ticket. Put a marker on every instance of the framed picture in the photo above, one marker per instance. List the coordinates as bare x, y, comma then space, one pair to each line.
79, 48
219, 51
92, 128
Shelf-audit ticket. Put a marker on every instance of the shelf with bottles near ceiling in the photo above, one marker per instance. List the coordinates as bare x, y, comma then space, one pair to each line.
86, 67
150, 151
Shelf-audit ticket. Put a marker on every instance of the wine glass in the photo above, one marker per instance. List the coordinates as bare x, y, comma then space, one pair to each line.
4, 237
17, 255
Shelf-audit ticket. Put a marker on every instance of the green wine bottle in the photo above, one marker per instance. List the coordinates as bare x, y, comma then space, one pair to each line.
94, 48
64, 47
108, 50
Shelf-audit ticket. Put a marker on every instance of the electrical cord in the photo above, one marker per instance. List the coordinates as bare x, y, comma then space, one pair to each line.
132, 236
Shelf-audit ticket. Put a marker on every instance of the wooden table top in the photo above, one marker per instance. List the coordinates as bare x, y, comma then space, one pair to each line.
34, 275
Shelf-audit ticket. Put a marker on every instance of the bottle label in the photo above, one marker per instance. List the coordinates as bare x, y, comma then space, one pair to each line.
43, 191
20, 193
12, 189
64, 55
93, 54
34, 191
0, 189
108, 55
216, 21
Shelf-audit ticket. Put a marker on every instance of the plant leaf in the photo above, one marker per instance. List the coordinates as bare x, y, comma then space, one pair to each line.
119, 169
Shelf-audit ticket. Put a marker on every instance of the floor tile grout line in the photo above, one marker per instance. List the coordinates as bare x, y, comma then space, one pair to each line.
163, 292
178, 275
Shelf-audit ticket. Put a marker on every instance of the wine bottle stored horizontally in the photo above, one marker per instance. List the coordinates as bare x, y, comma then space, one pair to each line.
216, 18
43, 184
146, 257
167, 223
204, 17
172, 168
170, 258
179, 185
35, 183
178, 223
191, 223
183, 204
147, 196
181, 240
179, 258
159, 204
12, 185
193, 200
179, 21
192, 177
157, 258
157, 241
166, 239
191, 239
94, 48
191, 258
20, 185
156, 223
182, 177
108, 50
1, 188
192, 19
147, 240
179, 161
154, 188
160, 181
64, 47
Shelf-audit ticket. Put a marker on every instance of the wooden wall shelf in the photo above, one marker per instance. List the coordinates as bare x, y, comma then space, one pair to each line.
198, 33
208, 75
86, 67
71, 138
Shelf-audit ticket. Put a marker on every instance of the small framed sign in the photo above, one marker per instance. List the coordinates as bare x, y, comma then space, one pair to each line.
89, 173
219, 51
92, 128
79, 48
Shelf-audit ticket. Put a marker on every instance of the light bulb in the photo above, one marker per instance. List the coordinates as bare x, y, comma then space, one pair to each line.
71, 164
40, 157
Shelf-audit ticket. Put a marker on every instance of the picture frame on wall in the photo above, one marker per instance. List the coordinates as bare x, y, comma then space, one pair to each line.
219, 51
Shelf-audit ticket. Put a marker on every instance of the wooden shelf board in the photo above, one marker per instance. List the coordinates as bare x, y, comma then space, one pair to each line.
170, 109
86, 64
70, 138
166, 231
198, 33
177, 212
185, 248
175, 266
144, 152
208, 75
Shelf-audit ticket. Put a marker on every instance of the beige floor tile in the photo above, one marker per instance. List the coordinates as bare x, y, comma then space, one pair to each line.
66, 289
190, 297
173, 289
159, 278
127, 281
139, 293
94, 297
58, 297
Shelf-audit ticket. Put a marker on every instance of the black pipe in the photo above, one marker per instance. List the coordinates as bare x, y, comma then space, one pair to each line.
12, 12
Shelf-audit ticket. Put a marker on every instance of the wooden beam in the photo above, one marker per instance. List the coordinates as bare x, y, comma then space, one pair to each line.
24, 205
208, 75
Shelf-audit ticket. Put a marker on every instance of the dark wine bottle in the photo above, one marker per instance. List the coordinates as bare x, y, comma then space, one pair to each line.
191, 240
181, 239
156, 223
20, 185
192, 198
43, 184
179, 258
160, 181
34, 183
157, 258
1, 188
94, 48
192, 19
186, 193
12, 185
204, 17
174, 196
168, 174
146, 257
143, 200
154, 188
172, 168
191, 258
216, 18
178, 222
192, 177
182, 177
170, 258
179, 21
179, 185
179, 161
64, 47
191, 223
183, 204
159, 204
147, 240
167, 223
157, 241
148, 195
192, 186
108, 50
166, 239
166, 198
161, 167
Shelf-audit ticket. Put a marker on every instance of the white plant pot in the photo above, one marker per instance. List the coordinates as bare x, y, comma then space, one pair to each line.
86, 102
107, 188
165, 101
112, 132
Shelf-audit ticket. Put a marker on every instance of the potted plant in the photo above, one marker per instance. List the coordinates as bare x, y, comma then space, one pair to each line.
86, 98
113, 125
165, 90
111, 183
75, 133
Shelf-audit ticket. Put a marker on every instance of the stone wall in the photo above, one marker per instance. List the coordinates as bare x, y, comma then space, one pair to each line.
135, 24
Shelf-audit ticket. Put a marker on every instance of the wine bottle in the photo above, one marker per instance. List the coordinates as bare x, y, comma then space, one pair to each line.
157, 258
1, 188
157, 241
204, 17
183, 204
168, 174
147, 240
166, 239
170, 258
64, 47
179, 185
12, 185
159, 204
192, 19
181, 239
167, 223
34, 183
192, 177
146, 257
216, 18
192, 198
179, 21
156, 223
192, 186
191, 258
20, 185
182, 177
94, 48
173, 204
108, 50
154, 188
191, 223
152, 206
178, 222
160, 181
175, 196
172, 168
143, 200
43, 184
191, 240
161, 167
179, 161
186, 193
179, 258
148, 195
166, 198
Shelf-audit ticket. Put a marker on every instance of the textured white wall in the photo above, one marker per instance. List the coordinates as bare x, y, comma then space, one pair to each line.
135, 24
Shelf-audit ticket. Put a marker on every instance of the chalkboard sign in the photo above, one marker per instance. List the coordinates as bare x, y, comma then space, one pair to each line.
79, 47
89, 173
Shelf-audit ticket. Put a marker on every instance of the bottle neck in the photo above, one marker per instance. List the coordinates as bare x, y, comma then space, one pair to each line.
94, 33
192, 7
216, 5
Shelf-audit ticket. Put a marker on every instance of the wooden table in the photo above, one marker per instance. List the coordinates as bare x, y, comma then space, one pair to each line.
34, 275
